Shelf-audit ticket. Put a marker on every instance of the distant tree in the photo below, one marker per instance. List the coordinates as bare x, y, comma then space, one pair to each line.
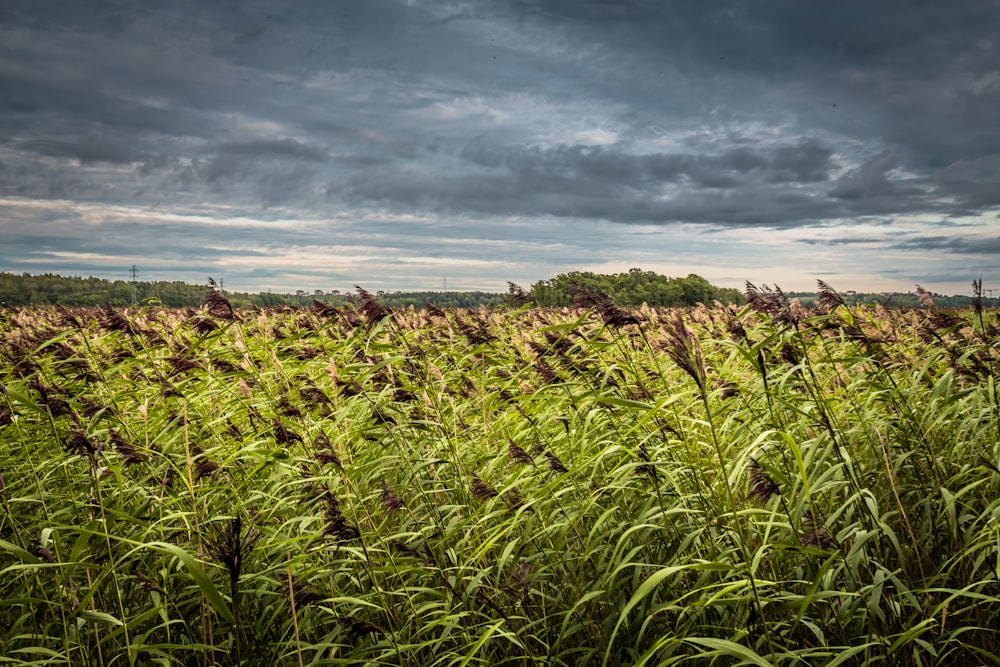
634, 288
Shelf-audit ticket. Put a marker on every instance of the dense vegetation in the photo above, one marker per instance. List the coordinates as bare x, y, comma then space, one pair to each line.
633, 289
47, 288
576, 486
625, 289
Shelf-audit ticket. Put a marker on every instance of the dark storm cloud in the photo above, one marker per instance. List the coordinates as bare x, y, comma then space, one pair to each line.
86, 151
721, 114
955, 245
974, 182
861, 240
921, 78
738, 186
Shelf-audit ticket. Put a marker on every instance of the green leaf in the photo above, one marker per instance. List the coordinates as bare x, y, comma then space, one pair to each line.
98, 617
729, 648
199, 576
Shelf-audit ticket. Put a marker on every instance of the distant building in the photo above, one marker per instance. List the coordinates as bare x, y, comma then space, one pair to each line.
318, 292
300, 292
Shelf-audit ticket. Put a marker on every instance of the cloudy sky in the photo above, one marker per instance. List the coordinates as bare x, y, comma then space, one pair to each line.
396, 144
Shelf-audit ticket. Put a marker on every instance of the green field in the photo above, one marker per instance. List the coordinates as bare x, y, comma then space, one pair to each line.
578, 486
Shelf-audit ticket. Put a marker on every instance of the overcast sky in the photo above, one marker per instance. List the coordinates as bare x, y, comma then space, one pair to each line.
319, 144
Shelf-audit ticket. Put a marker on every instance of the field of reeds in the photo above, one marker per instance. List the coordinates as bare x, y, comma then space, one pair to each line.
522, 486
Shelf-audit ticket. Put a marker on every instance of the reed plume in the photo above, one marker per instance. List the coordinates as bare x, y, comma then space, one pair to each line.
612, 315
324, 309
218, 305
481, 489
555, 465
516, 296
772, 302
390, 500
518, 455
684, 349
111, 320
646, 467
829, 297
762, 486
336, 523
283, 435
814, 535
325, 452
977, 297
302, 594
127, 450
203, 466
373, 311
434, 311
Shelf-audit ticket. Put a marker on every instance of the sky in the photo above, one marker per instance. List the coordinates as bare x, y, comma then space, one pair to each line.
397, 144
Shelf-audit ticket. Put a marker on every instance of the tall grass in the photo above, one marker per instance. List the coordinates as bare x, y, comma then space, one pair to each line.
585, 486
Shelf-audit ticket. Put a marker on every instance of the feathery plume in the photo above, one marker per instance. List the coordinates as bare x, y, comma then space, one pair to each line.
814, 535
481, 489
829, 297
82, 445
977, 296
128, 451
203, 466
555, 464
762, 486
112, 320
772, 302
325, 452
514, 499
373, 311
518, 455
588, 297
516, 296
218, 305
302, 594
685, 351
283, 435
403, 548
203, 325
337, 524
520, 578
358, 628
433, 310
323, 309
390, 500
646, 467
313, 395
147, 583
66, 318
231, 546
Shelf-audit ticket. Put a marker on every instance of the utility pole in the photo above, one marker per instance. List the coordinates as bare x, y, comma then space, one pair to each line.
135, 274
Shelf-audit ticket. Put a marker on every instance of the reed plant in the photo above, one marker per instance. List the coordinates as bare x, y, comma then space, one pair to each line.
526, 486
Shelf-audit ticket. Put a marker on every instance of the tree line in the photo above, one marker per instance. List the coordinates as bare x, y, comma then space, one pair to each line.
633, 289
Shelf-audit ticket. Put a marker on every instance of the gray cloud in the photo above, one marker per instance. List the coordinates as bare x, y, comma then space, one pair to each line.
551, 112
954, 245
86, 151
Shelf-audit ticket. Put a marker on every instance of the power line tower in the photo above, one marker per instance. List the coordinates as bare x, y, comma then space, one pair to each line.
135, 275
